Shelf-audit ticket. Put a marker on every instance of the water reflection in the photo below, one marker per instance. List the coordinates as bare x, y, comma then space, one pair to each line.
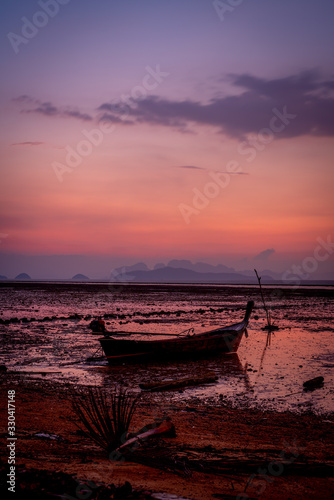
264, 371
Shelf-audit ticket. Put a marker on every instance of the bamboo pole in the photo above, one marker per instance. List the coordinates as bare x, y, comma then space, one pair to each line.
264, 304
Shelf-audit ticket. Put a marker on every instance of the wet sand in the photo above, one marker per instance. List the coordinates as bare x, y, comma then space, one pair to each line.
290, 456
44, 327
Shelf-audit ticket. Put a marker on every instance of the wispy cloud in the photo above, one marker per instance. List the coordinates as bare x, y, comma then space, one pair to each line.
231, 173
44, 108
107, 117
72, 113
23, 99
264, 255
31, 105
192, 167
28, 143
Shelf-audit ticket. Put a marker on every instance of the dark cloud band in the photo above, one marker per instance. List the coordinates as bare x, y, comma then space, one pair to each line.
306, 95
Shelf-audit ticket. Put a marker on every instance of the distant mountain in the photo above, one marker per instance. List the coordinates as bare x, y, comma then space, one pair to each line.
200, 267
3, 277
267, 272
80, 277
140, 266
23, 276
159, 265
181, 275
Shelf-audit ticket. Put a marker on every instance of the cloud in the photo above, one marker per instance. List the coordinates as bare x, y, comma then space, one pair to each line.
48, 109
107, 117
113, 107
193, 167
231, 173
28, 143
23, 99
264, 255
77, 114
45, 108
305, 95
31, 105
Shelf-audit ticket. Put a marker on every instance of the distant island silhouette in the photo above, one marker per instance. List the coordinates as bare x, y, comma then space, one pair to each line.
173, 271
80, 277
23, 276
171, 274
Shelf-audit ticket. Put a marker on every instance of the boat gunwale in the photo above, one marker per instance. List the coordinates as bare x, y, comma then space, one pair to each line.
232, 330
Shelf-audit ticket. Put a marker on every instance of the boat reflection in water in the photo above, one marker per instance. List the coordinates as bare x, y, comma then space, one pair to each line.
231, 374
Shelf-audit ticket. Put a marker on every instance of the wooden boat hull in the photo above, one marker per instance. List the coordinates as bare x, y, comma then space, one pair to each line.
220, 340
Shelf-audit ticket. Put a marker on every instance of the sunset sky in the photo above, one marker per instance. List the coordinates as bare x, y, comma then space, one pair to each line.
172, 129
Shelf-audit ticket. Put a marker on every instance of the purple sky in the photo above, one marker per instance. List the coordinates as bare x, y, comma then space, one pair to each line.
183, 88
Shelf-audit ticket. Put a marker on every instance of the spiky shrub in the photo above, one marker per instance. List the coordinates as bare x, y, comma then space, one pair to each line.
104, 417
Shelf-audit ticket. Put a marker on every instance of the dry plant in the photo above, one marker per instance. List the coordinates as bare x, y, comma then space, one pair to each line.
104, 416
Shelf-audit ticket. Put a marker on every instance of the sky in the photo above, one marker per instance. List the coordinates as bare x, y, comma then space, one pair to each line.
173, 129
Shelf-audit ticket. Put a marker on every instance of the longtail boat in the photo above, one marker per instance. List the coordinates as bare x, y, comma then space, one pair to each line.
221, 340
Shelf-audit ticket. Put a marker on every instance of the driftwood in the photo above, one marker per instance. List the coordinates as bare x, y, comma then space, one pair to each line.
166, 427
181, 382
313, 383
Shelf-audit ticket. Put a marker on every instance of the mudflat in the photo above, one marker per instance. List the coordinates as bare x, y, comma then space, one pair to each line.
227, 452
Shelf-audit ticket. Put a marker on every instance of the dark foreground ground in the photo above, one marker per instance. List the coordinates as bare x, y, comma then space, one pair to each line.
218, 451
